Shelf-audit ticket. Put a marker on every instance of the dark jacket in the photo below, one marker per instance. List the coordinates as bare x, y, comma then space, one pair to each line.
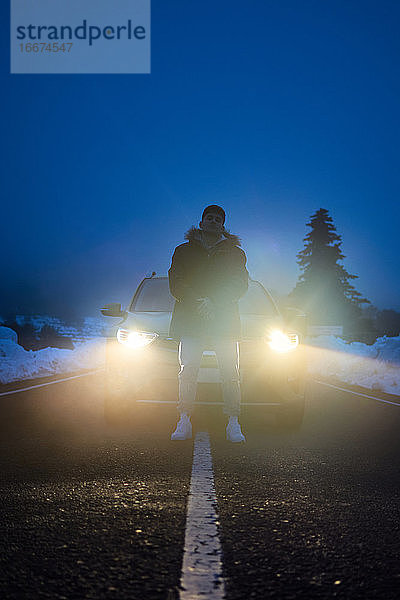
219, 273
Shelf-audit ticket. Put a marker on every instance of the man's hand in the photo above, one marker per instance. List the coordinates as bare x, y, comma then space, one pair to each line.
206, 308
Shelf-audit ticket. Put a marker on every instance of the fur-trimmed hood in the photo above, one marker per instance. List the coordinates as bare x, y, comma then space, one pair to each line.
194, 234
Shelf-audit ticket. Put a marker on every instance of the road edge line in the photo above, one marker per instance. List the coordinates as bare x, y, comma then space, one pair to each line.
356, 393
39, 385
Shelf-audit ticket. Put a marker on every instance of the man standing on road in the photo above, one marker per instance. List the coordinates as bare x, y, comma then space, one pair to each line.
207, 277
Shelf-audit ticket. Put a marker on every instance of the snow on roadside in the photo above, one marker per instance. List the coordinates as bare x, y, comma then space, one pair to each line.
376, 367
17, 364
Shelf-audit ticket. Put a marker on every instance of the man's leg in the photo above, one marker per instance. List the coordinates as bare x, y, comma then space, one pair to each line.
190, 353
227, 352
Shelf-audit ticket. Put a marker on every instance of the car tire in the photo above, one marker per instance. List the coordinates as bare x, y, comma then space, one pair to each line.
289, 417
119, 403
119, 415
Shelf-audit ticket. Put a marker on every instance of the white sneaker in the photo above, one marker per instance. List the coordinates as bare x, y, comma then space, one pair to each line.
183, 429
234, 432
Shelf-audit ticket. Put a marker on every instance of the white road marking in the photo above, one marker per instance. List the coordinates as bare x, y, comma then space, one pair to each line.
48, 383
356, 393
201, 575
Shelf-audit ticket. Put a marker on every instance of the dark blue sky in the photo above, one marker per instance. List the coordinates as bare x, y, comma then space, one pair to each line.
272, 109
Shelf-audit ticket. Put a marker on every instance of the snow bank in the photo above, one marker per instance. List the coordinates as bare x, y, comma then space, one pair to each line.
8, 335
17, 364
376, 367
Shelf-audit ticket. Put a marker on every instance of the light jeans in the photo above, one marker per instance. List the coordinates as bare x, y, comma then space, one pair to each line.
190, 353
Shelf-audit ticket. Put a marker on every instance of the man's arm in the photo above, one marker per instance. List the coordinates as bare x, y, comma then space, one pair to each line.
236, 282
178, 285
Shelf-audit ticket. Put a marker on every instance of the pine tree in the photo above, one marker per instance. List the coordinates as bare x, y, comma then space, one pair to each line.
324, 290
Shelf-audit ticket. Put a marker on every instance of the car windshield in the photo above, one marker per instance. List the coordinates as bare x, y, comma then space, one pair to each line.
154, 296
257, 301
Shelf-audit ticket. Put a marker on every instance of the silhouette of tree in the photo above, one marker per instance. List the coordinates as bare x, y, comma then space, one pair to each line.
31, 339
49, 338
324, 290
388, 322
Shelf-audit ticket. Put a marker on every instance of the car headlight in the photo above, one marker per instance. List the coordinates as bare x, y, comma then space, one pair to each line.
135, 339
281, 342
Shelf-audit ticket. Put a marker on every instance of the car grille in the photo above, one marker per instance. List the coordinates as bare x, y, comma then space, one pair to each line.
209, 361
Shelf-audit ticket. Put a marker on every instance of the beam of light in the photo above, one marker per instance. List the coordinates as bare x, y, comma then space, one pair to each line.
346, 365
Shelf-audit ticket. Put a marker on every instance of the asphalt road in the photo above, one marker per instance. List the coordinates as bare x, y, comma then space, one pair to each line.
89, 512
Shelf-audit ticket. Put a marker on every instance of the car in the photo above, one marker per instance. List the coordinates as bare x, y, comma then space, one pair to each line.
142, 360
